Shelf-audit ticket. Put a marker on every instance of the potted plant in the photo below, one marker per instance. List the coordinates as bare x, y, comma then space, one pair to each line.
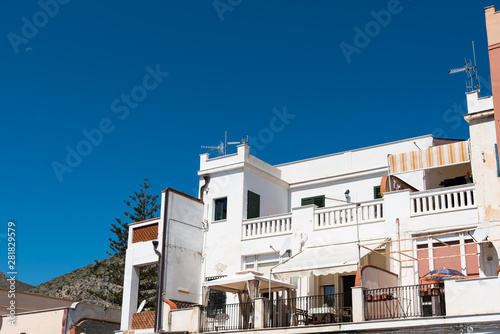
468, 177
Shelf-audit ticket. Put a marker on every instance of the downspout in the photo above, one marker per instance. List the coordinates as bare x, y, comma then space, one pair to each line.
159, 288
205, 226
202, 189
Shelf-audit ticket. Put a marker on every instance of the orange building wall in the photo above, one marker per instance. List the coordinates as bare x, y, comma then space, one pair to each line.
493, 31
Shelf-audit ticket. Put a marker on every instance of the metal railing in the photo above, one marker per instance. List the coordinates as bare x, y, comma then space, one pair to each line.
310, 310
267, 226
442, 200
369, 211
410, 301
224, 317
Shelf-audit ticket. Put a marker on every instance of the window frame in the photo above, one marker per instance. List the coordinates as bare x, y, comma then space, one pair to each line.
216, 209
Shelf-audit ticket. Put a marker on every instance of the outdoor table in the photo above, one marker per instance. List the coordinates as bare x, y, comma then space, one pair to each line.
322, 314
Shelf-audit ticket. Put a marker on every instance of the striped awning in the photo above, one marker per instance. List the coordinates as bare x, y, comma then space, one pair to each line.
431, 157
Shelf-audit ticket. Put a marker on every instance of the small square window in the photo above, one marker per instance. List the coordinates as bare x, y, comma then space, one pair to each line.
220, 208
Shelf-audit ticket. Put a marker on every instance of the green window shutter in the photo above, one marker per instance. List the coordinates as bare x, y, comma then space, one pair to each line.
253, 205
318, 200
376, 192
307, 201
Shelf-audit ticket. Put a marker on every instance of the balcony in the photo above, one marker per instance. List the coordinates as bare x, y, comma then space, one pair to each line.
371, 211
450, 200
404, 302
443, 200
268, 226
425, 306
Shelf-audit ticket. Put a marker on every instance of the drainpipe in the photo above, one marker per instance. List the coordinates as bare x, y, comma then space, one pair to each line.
202, 189
161, 268
399, 253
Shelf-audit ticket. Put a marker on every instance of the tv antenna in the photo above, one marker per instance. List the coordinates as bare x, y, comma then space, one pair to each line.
221, 149
472, 82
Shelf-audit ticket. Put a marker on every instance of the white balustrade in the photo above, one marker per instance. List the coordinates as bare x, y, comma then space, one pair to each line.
267, 226
370, 211
443, 200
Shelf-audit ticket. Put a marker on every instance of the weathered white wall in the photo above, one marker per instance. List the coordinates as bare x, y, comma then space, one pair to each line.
46, 322
361, 160
273, 193
185, 320
232, 177
472, 296
484, 169
183, 256
374, 278
360, 188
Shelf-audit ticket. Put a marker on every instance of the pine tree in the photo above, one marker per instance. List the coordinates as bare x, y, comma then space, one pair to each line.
143, 206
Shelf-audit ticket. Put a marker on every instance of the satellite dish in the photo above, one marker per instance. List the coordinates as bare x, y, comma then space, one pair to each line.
481, 232
285, 246
141, 306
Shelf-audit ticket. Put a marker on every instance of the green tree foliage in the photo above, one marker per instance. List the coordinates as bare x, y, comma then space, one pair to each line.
142, 206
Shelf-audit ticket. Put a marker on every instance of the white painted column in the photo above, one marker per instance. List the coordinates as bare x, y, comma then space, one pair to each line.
358, 307
130, 290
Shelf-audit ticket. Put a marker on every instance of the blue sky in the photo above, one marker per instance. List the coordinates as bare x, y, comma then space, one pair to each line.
150, 82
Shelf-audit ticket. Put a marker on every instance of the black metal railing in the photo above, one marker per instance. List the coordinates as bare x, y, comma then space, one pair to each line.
422, 300
310, 310
226, 317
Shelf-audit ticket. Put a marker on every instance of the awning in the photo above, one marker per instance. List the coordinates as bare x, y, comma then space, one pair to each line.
432, 157
324, 260
238, 283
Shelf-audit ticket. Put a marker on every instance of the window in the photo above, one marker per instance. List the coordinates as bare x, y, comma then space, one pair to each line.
216, 300
262, 263
253, 205
376, 192
318, 200
220, 208
452, 251
329, 295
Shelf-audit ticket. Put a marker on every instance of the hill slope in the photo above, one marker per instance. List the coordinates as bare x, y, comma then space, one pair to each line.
84, 284
20, 286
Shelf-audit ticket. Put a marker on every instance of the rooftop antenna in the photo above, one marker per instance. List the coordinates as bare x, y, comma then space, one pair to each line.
472, 82
221, 149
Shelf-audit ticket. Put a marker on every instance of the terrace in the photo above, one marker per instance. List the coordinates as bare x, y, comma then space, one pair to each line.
450, 304
450, 203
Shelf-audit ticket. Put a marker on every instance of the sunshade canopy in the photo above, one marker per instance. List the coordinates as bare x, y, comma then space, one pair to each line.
238, 283
322, 260
438, 275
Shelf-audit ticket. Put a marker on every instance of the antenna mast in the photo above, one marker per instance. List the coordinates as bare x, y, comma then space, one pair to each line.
221, 149
470, 69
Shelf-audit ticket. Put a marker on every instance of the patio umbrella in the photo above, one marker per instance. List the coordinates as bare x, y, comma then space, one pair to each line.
438, 275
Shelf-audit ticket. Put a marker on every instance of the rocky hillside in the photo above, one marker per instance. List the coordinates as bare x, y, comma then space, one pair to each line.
20, 286
85, 284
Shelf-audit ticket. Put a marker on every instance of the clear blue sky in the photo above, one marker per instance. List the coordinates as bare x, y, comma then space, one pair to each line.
81, 66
